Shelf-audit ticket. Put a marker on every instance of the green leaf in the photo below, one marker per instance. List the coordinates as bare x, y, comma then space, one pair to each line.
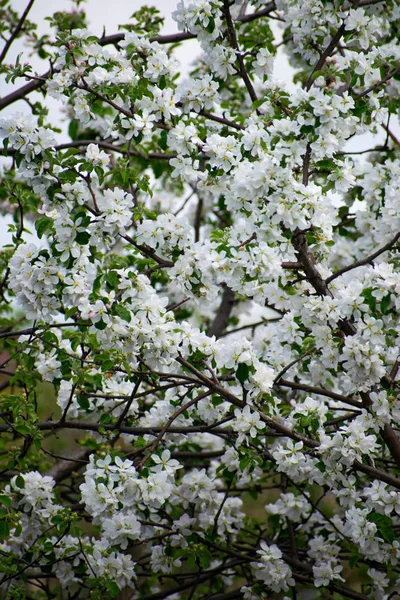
122, 312
105, 419
112, 280
326, 163
113, 589
258, 103
83, 402
385, 303
353, 560
191, 561
205, 558
163, 140
20, 481
243, 462
22, 429
42, 224
211, 25
4, 528
73, 130
384, 525
242, 372
5, 500
107, 365
82, 238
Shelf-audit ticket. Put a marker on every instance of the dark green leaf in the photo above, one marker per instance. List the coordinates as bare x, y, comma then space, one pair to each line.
242, 372
42, 224
4, 528
122, 312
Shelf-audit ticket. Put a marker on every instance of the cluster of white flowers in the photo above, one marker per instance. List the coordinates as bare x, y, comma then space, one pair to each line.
35, 276
23, 135
324, 553
293, 507
165, 233
271, 569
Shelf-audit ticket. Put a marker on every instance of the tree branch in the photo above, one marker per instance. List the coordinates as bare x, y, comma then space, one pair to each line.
363, 261
222, 317
16, 31
234, 43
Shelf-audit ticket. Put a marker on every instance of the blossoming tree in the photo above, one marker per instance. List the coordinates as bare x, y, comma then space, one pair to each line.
213, 301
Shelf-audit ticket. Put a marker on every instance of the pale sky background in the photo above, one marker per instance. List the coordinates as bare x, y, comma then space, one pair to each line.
109, 14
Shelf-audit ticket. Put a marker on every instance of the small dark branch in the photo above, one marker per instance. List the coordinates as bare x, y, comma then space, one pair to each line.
365, 261
376, 149
392, 442
225, 549
175, 38
219, 511
341, 420
377, 474
227, 595
250, 326
177, 304
208, 454
88, 426
232, 399
369, 2
34, 330
70, 400
16, 31
149, 252
391, 134
243, 8
264, 12
221, 120
292, 539
21, 92
118, 107
388, 380
129, 403
63, 469
334, 587
285, 40
197, 218
113, 148
3, 284
309, 266
386, 144
168, 424
234, 43
306, 164
210, 574
248, 241
310, 389
223, 313
292, 265
186, 200
327, 52
377, 85
4, 385
290, 365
